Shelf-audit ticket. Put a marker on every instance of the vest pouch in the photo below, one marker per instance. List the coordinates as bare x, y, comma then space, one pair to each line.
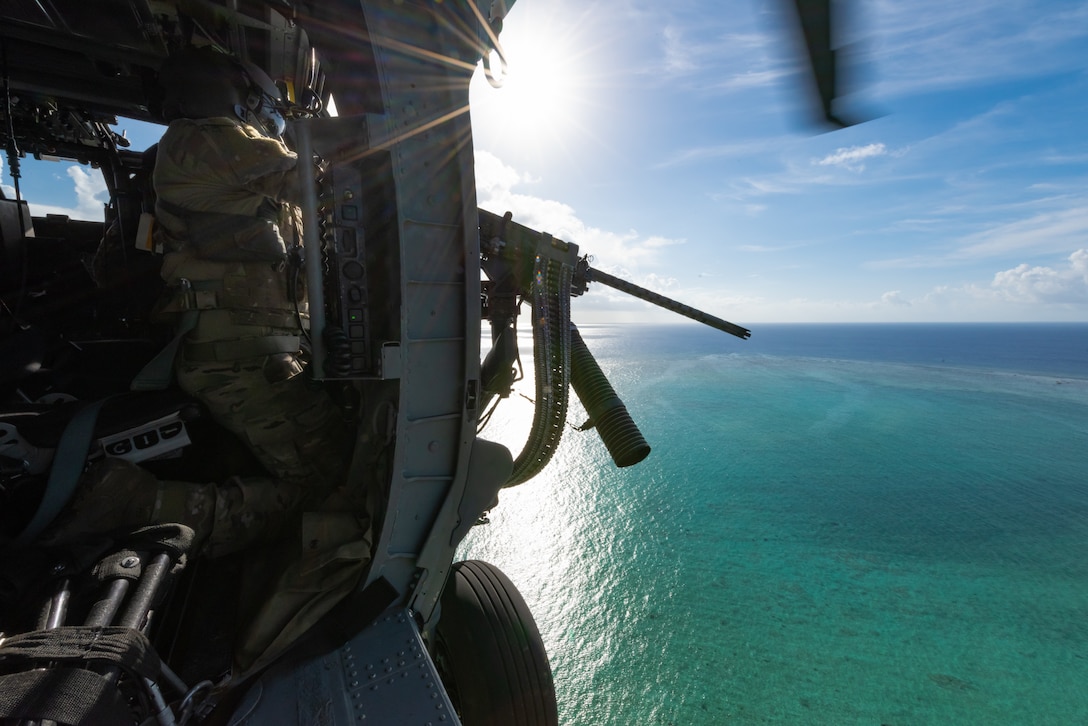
233, 237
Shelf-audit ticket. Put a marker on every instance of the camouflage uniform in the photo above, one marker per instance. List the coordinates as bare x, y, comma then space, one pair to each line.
240, 358
116, 494
225, 207
220, 182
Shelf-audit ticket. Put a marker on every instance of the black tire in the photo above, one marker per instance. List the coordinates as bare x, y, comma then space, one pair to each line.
490, 653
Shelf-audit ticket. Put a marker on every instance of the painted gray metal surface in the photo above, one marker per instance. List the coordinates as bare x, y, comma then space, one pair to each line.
383, 676
424, 72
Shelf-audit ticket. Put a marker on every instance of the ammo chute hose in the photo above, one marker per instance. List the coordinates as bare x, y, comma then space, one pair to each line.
551, 366
607, 413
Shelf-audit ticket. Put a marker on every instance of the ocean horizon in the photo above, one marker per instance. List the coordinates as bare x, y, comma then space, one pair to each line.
838, 524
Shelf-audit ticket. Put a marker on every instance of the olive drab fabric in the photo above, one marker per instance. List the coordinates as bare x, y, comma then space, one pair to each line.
226, 213
221, 165
219, 182
115, 494
294, 430
241, 359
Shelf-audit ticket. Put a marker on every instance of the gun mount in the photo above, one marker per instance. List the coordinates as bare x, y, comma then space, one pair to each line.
523, 264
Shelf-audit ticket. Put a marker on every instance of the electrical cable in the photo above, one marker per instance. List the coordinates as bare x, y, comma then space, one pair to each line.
13, 156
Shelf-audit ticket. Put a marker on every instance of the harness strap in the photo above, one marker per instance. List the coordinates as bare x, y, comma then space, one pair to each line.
81, 644
68, 463
158, 374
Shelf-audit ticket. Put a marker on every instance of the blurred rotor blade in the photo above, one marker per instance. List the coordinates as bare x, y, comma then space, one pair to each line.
816, 21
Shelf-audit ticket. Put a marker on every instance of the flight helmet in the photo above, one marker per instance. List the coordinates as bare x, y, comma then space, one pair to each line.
205, 83
264, 102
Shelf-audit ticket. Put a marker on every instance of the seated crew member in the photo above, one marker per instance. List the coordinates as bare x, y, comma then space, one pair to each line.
225, 185
227, 190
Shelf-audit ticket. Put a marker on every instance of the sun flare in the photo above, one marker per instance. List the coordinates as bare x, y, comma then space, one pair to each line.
546, 99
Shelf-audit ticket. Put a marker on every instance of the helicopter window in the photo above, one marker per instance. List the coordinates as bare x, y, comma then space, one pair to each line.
61, 188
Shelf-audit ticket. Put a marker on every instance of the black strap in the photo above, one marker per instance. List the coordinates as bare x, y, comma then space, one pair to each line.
112, 645
70, 696
68, 462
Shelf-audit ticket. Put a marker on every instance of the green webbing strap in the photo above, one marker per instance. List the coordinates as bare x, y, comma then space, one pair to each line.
68, 461
158, 374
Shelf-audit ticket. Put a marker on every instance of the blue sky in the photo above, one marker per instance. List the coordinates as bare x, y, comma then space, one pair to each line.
682, 158
670, 141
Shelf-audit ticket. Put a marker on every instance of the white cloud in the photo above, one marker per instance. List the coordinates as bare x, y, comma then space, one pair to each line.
91, 196
1022, 293
496, 183
1063, 285
711, 54
1051, 231
677, 54
852, 157
752, 79
748, 148
493, 176
700, 50
9, 191
88, 187
894, 297
663, 242
929, 44
91, 193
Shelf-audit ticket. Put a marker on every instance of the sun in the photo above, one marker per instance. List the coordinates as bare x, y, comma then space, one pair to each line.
546, 101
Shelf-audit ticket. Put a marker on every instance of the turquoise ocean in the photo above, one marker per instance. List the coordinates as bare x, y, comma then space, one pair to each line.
838, 524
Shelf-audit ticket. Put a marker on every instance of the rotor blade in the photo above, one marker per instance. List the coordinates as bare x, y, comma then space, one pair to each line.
816, 21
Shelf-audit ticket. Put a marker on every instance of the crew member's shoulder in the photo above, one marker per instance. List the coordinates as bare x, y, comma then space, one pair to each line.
183, 128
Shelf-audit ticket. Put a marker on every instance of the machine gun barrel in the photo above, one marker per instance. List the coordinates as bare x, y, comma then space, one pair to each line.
668, 303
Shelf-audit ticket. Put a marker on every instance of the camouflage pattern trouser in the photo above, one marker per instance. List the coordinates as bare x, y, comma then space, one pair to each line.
115, 494
316, 532
293, 429
298, 434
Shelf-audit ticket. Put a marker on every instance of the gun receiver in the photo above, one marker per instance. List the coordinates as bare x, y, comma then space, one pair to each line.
519, 244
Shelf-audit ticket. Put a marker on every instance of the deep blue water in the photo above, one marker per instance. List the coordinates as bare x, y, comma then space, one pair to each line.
1055, 348
846, 524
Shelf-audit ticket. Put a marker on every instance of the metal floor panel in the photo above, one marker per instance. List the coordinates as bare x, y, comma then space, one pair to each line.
382, 677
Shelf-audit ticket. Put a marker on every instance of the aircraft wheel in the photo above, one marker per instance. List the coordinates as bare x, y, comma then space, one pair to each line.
490, 653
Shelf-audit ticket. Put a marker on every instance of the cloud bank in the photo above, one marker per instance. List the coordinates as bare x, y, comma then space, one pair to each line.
496, 184
87, 187
1067, 285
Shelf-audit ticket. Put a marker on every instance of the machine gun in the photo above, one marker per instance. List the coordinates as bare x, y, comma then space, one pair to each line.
523, 264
